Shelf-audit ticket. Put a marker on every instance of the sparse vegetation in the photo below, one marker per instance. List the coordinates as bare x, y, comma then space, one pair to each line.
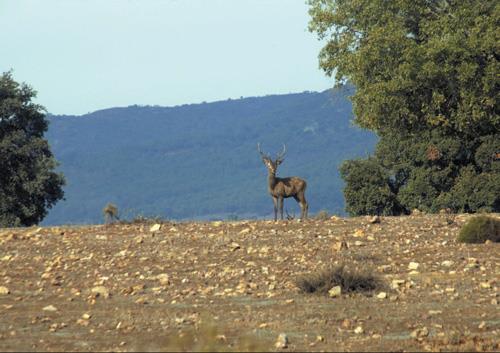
110, 212
210, 338
322, 215
479, 229
349, 280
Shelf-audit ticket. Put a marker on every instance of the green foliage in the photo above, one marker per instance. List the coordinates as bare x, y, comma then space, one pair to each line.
349, 280
426, 81
28, 184
368, 188
473, 192
479, 229
417, 64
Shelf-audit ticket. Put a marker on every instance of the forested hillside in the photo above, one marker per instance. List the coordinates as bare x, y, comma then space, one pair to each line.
200, 161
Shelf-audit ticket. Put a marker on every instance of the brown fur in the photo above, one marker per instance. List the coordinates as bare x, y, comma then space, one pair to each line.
282, 188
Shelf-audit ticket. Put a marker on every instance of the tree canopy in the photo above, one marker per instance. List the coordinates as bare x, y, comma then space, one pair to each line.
28, 184
426, 78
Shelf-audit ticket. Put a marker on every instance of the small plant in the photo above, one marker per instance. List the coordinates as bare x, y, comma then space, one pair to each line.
110, 212
348, 280
322, 215
479, 229
210, 338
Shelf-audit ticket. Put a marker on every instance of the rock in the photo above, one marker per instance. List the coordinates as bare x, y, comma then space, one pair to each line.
382, 295
163, 278
234, 246
245, 231
282, 341
101, 291
447, 263
335, 292
358, 243
86, 316
50, 308
346, 323
416, 212
155, 227
396, 283
216, 224
339, 246
359, 330
4, 290
485, 285
482, 325
413, 265
420, 332
374, 220
359, 233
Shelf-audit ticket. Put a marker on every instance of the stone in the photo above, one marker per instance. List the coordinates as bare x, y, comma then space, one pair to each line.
339, 246
86, 316
413, 265
234, 246
447, 263
396, 283
163, 278
335, 292
4, 290
155, 227
101, 291
359, 330
282, 341
50, 308
382, 295
374, 220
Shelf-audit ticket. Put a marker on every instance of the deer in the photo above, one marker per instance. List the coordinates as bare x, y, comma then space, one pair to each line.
282, 188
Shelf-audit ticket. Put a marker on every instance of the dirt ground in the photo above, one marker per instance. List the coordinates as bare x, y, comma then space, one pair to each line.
231, 286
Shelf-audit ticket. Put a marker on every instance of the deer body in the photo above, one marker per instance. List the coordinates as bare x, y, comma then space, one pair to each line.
282, 188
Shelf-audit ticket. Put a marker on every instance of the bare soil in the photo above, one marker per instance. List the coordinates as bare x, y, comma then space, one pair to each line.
231, 286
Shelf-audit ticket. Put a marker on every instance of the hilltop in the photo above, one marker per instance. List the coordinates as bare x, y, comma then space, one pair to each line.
232, 285
199, 161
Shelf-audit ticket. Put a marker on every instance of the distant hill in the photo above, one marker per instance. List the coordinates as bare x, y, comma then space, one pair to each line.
199, 161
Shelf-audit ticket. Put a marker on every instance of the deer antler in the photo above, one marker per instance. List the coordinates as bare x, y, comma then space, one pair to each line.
262, 153
281, 155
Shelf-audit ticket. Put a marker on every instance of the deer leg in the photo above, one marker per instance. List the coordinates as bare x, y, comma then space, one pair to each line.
281, 201
275, 201
304, 207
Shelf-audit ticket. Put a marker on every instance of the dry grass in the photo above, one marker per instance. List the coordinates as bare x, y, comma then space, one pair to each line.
349, 280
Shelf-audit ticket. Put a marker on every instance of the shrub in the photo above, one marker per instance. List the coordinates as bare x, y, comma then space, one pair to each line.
479, 229
348, 280
110, 212
322, 215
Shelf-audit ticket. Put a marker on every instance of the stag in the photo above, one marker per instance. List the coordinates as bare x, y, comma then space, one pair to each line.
282, 188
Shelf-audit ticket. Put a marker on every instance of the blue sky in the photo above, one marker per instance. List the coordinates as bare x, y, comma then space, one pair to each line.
85, 55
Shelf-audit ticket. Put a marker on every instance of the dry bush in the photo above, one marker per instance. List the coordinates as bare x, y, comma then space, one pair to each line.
110, 212
349, 280
479, 229
322, 215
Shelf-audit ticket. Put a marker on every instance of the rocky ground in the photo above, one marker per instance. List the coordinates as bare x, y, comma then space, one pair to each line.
231, 286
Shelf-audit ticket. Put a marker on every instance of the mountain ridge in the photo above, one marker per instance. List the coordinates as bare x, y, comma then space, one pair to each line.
199, 161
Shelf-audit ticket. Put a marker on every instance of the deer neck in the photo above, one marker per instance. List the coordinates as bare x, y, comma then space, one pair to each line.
271, 180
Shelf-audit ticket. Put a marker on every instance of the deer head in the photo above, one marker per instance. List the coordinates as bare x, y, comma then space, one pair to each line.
271, 165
